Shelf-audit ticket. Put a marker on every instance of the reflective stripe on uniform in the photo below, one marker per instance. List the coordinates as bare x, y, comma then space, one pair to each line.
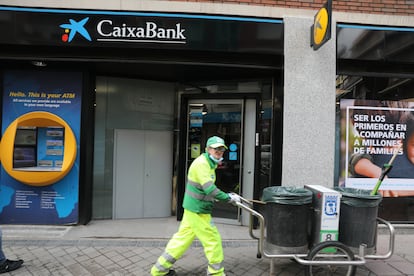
195, 184
203, 187
169, 258
195, 195
207, 185
207, 197
169, 261
216, 266
215, 269
214, 192
160, 268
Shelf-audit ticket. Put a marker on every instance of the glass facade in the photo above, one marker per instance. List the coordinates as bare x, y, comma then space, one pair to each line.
375, 108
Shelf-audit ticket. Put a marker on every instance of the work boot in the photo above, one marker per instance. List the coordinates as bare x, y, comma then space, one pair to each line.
171, 273
10, 265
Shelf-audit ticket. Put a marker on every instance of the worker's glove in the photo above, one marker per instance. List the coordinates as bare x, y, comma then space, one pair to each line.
234, 198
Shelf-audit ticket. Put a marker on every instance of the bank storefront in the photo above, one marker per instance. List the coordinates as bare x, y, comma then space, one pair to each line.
103, 111
150, 89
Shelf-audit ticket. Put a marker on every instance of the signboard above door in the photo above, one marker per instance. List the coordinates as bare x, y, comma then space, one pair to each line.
123, 29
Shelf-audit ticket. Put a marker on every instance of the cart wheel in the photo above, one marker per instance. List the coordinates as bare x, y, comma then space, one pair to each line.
330, 251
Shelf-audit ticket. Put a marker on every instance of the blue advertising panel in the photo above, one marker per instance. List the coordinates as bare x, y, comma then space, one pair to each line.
39, 177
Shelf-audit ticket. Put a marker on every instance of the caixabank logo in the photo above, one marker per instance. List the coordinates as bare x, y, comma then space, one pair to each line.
75, 27
108, 30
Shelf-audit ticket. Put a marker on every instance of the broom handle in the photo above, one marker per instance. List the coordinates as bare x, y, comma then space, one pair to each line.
256, 201
386, 165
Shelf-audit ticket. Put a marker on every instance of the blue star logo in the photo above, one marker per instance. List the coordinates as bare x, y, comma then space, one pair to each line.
75, 27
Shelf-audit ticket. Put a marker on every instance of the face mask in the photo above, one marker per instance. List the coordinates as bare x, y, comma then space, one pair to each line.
215, 159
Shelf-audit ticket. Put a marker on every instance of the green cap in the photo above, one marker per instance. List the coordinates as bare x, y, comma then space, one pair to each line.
215, 142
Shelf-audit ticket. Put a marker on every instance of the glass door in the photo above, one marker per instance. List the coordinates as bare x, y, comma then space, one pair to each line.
223, 118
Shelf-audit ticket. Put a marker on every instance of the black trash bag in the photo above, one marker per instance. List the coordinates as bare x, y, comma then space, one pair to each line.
358, 197
287, 195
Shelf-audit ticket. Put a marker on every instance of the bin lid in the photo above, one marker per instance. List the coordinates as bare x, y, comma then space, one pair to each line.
358, 197
290, 195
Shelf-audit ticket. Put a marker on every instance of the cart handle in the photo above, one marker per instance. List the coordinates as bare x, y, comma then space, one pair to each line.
247, 205
391, 242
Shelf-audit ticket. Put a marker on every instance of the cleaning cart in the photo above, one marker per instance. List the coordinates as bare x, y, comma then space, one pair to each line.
305, 224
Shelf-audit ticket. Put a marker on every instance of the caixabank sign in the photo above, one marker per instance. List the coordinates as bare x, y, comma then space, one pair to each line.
119, 29
108, 30
149, 31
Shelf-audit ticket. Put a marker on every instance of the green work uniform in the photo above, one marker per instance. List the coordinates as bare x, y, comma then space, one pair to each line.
200, 194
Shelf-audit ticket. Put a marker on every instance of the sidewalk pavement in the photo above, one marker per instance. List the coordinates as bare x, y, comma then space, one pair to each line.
130, 247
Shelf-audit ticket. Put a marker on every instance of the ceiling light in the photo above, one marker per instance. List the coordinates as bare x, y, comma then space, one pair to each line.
39, 63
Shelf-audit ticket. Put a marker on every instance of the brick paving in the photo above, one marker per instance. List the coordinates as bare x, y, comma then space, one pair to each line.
99, 256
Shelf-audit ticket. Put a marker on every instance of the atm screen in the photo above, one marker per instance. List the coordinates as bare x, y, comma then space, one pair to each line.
24, 157
25, 137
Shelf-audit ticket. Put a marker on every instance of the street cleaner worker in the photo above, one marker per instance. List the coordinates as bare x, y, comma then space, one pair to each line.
200, 194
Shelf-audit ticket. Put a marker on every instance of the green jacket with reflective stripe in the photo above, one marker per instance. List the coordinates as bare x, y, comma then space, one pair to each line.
201, 191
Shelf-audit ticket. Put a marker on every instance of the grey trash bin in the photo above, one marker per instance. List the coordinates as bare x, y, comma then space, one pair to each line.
287, 215
358, 218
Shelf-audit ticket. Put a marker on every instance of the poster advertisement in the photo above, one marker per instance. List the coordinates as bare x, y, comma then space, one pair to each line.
372, 133
40, 149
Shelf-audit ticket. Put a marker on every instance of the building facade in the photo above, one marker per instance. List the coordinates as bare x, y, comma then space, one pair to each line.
158, 77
